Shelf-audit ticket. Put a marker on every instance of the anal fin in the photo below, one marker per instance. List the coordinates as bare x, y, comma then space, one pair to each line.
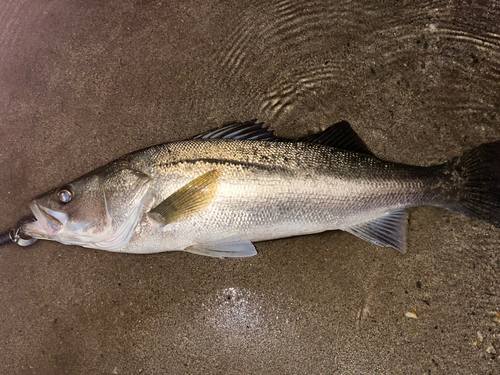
234, 249
388, 231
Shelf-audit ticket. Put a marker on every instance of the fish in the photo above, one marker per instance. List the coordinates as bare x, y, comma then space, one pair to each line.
220, 191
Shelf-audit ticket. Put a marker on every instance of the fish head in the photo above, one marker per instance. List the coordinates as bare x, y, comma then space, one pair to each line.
97, 210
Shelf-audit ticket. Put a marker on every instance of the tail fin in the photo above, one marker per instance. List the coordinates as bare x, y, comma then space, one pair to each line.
476, 175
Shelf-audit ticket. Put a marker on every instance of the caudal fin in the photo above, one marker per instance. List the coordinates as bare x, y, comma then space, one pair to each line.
476, 175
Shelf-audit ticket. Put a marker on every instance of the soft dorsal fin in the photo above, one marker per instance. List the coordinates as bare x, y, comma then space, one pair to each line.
340, 135
249, 130
389, 230
221, 249
193, 197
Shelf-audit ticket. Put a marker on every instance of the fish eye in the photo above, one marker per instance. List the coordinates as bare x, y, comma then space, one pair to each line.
65, 194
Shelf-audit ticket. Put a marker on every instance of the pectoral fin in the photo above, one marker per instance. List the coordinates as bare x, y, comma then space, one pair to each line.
234, 249
189, 199
389, 230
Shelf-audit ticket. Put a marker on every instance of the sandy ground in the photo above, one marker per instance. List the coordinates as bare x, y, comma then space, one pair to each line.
84, 82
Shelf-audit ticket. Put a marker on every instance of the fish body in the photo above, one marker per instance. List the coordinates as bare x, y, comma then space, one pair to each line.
264, 195
216, 194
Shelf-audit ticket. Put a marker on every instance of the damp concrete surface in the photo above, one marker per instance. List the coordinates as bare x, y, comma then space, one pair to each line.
84, 82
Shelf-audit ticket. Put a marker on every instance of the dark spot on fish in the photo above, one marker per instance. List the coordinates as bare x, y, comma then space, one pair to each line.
119, 284
406, 292
348, 44
228, 297
419, 284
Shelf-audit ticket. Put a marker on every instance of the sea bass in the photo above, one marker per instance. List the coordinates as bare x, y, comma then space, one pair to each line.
220, 191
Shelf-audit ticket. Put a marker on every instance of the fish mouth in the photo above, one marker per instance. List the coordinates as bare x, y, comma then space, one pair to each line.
48, 221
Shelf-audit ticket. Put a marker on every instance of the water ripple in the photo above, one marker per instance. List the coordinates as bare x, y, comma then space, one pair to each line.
427, 39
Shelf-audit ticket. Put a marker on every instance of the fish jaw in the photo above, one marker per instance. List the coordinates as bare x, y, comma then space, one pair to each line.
48, 222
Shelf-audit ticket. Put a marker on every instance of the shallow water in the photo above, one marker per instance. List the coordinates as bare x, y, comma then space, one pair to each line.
82, 83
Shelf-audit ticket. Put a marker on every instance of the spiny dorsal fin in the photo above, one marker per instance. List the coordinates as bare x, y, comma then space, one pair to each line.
389, 230
340, 135
234, 249
249, 130
193, 197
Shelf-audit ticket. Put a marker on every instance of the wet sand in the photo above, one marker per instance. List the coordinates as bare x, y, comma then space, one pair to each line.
82, 83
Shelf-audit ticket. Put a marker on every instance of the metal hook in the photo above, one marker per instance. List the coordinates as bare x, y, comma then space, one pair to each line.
15, 235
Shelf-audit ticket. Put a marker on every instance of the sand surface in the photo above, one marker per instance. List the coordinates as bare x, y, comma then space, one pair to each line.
84, 82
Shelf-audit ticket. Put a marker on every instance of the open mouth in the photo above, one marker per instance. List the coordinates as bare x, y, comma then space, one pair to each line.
48, 220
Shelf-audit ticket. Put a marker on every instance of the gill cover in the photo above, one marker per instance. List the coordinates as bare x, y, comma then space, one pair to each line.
124, 193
